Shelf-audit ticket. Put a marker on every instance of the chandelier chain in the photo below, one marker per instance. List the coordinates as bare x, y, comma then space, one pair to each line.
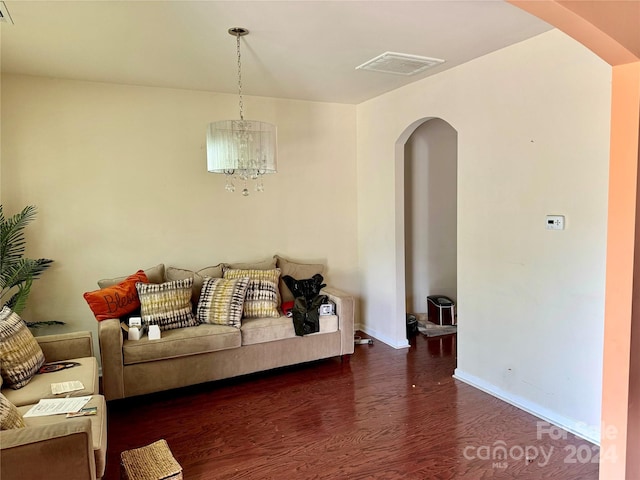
240, 78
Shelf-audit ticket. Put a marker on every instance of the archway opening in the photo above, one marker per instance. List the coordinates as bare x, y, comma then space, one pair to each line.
427, 205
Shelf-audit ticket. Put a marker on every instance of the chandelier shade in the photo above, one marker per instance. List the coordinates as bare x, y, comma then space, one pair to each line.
241, 149
246, 149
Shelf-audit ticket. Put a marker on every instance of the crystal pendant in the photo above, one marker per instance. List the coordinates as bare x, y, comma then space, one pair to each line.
245, 192
230, 187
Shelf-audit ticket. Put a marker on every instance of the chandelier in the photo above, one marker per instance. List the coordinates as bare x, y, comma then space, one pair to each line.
243, 150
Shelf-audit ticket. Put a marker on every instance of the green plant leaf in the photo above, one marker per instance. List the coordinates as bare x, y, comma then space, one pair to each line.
12, 242
17, 272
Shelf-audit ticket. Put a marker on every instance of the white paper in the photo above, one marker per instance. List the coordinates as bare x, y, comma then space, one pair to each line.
66, 387
56, 406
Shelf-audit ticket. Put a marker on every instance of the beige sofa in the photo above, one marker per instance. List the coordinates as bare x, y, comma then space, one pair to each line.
56, 447
203, 353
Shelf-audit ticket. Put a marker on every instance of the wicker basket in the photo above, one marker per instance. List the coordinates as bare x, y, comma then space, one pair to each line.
153, 462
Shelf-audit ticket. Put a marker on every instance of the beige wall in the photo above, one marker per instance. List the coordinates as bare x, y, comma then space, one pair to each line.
119, 177
533, 139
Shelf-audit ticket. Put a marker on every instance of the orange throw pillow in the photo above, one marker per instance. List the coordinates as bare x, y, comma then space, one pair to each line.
117, 300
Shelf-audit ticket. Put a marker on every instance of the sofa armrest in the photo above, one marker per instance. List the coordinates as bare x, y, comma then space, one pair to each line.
111, 339
60, 450
345, 310
65, 346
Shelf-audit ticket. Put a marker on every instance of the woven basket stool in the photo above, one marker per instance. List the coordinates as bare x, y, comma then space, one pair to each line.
153, 462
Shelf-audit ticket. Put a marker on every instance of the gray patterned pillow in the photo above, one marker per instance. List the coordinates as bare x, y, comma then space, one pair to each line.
167, 305
221, 301
20, 354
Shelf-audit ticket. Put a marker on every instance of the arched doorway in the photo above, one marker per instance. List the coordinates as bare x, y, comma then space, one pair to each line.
426, 201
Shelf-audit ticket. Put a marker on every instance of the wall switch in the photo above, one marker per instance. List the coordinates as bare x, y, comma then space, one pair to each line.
555, 222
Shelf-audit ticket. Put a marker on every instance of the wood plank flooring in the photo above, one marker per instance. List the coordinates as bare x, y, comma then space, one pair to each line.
386, 414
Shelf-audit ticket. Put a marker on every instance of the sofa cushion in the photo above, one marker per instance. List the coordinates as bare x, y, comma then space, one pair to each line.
261, 330
181, 342
154, 274
117, 300
20, 353
167, 305
98, 428
222, 301
262, 299
298, 271
10, 417
40, 385
268, 264
215, 271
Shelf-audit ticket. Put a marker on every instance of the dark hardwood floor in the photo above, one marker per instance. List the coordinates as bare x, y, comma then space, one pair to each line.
387, 414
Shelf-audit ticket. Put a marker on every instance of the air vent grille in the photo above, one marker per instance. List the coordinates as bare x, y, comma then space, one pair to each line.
4, 14
399, 63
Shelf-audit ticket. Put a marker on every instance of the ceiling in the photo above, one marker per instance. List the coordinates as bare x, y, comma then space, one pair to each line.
299, 49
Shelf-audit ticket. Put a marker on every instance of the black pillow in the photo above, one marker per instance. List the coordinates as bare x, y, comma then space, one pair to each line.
308, 288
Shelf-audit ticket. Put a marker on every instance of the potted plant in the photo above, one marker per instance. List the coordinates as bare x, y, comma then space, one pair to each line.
17, 272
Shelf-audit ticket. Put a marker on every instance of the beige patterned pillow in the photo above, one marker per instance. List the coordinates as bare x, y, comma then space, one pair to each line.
262, 297
10, 416
167, 305
221, 301
20, 354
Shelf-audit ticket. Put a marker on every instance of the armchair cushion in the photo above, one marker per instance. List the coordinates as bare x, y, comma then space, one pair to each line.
20, 353
40, 385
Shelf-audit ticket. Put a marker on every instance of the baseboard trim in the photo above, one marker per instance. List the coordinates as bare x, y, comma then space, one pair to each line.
590, 434
384, 339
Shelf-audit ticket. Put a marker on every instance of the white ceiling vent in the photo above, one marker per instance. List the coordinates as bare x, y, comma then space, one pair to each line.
399, 63
4, 14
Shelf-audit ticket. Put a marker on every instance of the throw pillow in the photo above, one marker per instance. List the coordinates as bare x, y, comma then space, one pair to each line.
117, 300
10, 416
262, 297
20, 354
154, 274
295, 270
222, 300
167, 305
198, 278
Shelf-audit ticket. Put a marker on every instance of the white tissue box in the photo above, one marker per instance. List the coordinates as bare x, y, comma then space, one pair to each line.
135, 322
135, 333
154, 332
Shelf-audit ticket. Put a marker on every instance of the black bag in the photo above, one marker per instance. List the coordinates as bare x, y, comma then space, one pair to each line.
306, 315
308, 288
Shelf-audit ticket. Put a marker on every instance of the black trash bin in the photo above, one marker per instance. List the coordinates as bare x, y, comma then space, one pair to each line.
412, 325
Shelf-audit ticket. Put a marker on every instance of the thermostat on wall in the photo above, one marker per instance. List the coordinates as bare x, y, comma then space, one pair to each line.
555, 222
